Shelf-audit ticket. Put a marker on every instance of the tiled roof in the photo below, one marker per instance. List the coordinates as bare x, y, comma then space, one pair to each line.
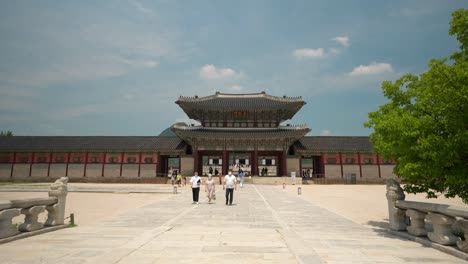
257, 101
83, 143
231, 132
328, 143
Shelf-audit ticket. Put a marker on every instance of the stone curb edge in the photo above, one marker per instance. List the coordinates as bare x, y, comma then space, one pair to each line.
426, 242
85, 191
32, 233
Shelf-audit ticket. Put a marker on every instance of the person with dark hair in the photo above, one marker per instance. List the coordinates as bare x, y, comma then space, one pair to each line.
196, 182
230, 184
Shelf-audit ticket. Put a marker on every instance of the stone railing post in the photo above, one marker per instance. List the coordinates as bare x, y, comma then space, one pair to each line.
56, 212
31, 218
396, 215
442, 225
463, 244
7, 228
417, 227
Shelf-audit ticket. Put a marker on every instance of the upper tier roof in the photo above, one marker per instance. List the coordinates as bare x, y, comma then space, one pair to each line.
238, 102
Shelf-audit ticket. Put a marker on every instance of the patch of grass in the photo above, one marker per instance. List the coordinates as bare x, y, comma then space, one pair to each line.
72, 225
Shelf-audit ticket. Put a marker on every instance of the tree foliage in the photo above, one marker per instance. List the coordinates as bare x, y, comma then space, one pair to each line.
7, 133
424, 126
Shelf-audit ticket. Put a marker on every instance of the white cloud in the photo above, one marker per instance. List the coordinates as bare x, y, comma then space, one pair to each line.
373, 68
210, 72
325, 133
334, 51
140, 7
309, 53
344, 41
236, 88
150, 63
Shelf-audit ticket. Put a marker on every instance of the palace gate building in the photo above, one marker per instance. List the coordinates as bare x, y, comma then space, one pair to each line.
236, 132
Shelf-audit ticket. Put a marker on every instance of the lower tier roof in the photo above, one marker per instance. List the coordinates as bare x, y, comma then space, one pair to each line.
184, 131
158, 143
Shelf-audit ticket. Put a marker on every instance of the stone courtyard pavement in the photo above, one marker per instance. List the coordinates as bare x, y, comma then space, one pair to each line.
265, 225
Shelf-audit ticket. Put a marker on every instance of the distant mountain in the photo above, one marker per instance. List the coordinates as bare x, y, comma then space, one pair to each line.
168, 132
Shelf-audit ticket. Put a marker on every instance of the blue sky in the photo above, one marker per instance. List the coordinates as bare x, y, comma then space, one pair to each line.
117, 67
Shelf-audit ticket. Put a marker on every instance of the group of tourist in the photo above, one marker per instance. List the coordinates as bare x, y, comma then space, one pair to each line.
229, 184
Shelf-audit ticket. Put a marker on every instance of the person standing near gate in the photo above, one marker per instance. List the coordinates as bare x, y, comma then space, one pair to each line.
196, 182
230, 184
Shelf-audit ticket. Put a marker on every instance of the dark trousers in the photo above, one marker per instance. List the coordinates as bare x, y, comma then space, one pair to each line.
229, 195
195, 194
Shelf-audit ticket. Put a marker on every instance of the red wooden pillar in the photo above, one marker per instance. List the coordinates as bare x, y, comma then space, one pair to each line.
48, 167
13, 165
139, 164
341, 164
225, 167
360, 167
159, 165
322, 165
66, 166
255, 161
121, 163
283, 161
378, 165
104, 164
85, 164
195, 160
31, 165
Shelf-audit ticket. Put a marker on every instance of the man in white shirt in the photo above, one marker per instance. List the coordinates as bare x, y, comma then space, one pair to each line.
230, 184
196, 182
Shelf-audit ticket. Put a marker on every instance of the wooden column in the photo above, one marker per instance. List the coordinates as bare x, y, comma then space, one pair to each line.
139, 163
104, 164
31, 165
86, 164
360, 167
341, 164
378, 165
225, 162
48, 167
322, 165
159, 165
255, 161
283, 161
66, 166
13, 165
195, 160
121, 163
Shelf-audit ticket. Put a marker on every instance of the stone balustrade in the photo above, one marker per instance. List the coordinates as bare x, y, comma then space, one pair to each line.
31, 208
437, 222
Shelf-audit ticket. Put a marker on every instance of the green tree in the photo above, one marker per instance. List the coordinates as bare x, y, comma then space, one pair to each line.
7, 133
424, 126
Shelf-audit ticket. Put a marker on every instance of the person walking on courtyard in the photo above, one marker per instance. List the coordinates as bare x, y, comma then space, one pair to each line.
179, 178
230, 184
184, 180
241, 177
210, 188
219, 177
196, 182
